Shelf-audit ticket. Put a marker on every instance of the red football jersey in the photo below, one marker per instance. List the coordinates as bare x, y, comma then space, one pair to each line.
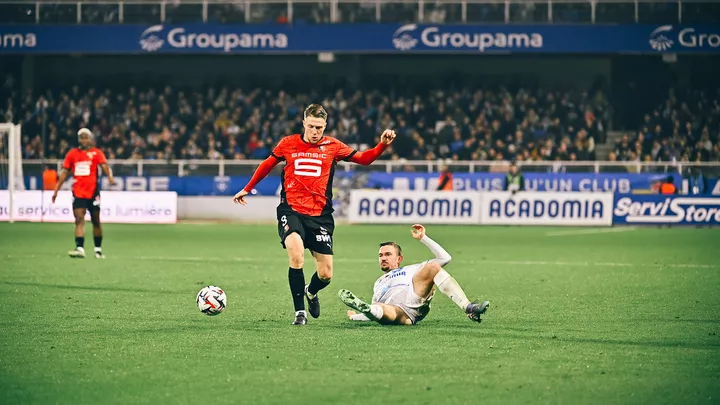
84, 167
308, 173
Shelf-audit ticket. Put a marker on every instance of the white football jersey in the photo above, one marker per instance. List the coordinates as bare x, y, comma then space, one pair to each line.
394, 281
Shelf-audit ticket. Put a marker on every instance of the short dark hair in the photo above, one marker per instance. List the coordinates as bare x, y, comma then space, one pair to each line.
397, 247
315, 111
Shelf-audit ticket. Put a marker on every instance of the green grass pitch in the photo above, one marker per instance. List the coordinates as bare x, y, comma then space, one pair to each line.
619, 317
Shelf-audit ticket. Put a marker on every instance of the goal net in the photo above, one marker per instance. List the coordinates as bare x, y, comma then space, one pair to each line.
11, 170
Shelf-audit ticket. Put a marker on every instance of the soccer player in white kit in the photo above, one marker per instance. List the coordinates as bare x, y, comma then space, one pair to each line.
402, 295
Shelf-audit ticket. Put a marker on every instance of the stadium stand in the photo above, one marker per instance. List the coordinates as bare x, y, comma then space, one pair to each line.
234, 123
437, 12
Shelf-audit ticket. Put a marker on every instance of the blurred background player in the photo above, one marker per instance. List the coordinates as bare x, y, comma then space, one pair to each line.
445, 181
668, 187
83, 162
402, 295
304, 214
514, 180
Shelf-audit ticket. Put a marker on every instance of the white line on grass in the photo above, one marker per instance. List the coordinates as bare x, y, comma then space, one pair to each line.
471, 262
591, 231
215, 259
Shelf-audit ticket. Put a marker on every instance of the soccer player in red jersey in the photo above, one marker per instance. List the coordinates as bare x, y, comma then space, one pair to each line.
83, 162
305, 211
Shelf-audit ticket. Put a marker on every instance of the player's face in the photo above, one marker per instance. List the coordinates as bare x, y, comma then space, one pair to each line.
314, 128
389, 258
84, 141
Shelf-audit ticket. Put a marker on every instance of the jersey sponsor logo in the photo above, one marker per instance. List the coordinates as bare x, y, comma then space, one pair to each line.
323, 238
309, 155
82, 169
397, 273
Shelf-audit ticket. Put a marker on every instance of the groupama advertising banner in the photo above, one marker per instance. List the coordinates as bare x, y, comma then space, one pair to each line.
357, 38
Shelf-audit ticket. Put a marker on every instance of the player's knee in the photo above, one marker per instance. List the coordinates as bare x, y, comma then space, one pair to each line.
433, 268
297, 260
79, 220
95, 222
325, 271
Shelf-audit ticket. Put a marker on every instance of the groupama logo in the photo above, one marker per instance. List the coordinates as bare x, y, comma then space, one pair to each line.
154, 39
663, 38
410, 36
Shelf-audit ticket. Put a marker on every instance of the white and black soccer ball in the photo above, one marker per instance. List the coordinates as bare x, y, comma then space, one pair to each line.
211, 300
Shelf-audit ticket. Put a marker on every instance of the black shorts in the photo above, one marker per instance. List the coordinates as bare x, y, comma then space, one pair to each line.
91, 204
316, 232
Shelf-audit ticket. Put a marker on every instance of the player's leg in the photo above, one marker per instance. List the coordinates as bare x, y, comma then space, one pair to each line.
382, 313
97, 230
320, 279
291, 237
319, 233
431, 275
79, 206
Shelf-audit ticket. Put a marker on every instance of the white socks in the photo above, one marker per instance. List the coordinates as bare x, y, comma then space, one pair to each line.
448, 286
376, 311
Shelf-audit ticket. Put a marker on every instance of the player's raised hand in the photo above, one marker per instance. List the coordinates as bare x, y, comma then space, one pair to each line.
240, 197
387, 137
418, 231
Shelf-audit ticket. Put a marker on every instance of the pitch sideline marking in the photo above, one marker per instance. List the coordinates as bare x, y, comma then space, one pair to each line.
370, 261
590, 231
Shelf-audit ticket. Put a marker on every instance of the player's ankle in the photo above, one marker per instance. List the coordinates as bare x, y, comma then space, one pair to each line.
307, 292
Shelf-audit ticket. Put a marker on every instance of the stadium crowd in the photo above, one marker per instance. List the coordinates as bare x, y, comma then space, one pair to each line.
435, 12
234, 123
684, 128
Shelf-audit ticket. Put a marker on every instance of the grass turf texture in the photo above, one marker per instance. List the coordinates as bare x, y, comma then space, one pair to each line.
620, 317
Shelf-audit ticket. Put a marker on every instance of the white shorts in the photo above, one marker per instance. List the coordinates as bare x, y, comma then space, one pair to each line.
414, 306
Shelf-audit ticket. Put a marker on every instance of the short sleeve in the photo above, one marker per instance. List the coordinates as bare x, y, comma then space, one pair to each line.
280, 149
100, 158
68, 162
344, 152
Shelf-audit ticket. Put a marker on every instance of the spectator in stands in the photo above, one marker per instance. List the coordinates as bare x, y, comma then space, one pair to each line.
514, 180
227, 123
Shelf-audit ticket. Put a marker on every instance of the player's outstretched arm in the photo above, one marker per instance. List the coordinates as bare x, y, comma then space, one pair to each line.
442, 257
369, 156
63, 176
260, 173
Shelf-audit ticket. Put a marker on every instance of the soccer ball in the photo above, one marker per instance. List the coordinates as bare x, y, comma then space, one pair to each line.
211, 300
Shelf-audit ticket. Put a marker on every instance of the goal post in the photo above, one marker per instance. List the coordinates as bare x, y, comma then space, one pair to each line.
11, 170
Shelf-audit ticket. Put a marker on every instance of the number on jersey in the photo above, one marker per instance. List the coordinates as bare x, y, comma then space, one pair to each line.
308, 167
